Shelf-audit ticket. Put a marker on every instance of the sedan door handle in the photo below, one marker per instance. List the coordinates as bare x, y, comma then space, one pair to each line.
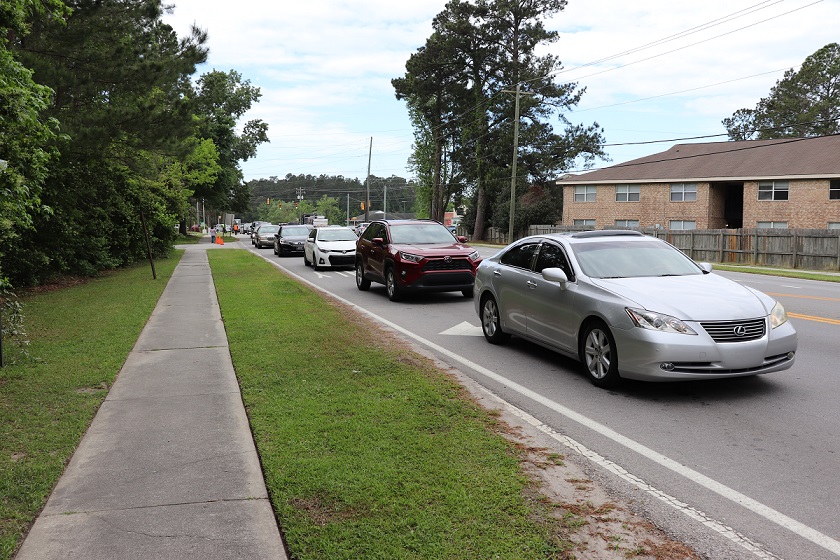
531, 284
496, 273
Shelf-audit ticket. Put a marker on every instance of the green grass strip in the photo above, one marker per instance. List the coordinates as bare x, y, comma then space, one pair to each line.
787, 273
368, 450
80, 337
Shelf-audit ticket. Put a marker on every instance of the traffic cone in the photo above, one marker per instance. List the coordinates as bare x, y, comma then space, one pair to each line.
219, 240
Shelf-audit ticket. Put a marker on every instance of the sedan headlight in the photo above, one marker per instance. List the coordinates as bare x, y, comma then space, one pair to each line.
474, 256
778, 316
654, 321
409, 257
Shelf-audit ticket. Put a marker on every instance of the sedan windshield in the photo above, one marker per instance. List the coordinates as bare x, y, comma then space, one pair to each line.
268, 229
421, 233
336, 235
295, 231
623, 259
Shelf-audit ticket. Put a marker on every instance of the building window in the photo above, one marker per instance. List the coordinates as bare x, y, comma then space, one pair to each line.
683, 224
585, 223
834, 189
683, 192
585, 193
833, 225
627, 193
772, 225
772, 190
627, 223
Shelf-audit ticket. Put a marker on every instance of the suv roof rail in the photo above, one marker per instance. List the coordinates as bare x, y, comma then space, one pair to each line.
607, 233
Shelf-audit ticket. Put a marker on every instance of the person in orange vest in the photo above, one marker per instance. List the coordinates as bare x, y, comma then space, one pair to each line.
235, 229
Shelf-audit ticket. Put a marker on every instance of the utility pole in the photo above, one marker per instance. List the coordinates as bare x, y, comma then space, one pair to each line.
513, 166
367, 182
384, 201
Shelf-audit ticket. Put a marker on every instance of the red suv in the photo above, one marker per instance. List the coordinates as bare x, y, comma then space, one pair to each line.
414, 255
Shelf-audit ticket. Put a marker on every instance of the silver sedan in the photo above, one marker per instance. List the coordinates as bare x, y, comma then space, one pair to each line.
630, 306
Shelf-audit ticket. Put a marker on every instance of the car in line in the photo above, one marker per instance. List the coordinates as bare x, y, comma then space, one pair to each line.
290, 239
361, 227
264, 235
252, 229
330, 246
631, 306
412, 256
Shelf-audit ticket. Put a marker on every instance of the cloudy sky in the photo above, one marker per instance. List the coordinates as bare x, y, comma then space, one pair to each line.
654, 70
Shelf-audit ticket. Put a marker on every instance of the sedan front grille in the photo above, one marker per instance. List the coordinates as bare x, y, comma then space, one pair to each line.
735, 331
342, 260
447, 263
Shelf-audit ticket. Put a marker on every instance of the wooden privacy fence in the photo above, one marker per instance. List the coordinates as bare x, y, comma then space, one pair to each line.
811, 249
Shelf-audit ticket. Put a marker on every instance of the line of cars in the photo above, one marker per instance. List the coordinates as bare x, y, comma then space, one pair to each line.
624, 304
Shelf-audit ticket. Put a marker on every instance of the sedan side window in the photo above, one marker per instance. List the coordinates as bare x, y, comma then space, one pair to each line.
552, 256
520, 256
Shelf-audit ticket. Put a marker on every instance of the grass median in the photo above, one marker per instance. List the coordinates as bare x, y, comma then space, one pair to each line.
368, 450
80, 336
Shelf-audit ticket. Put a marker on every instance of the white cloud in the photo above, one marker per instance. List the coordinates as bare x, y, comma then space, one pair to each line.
324, 68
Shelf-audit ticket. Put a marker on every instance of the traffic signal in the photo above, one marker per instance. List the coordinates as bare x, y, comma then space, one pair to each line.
362, 205
268, 201
280, 205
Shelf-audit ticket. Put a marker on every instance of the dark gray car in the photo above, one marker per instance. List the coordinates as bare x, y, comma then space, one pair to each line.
290, 240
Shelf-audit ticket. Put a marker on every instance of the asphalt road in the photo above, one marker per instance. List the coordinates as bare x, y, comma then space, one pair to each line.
740, 468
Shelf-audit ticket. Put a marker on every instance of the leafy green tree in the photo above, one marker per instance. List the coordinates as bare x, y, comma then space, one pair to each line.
459, 93
803, 103
328, 207
221, 99
122, 94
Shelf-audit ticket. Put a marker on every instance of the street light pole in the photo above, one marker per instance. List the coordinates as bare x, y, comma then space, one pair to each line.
513, 166
367, 182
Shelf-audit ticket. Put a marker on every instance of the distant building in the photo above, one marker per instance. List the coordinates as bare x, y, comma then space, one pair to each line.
784, 183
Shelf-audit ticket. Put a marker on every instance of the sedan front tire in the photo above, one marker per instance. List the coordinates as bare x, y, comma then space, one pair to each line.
598, 355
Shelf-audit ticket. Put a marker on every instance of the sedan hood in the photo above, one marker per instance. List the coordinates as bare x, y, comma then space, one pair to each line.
337, 245
701, 297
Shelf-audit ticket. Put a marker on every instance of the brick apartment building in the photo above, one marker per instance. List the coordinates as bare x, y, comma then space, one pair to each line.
787, 183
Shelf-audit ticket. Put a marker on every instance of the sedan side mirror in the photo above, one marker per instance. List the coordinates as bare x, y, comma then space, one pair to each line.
462, 238
378, 241
555, 275
706, 267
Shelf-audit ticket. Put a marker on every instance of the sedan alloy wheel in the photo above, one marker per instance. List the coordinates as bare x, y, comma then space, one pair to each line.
599, 355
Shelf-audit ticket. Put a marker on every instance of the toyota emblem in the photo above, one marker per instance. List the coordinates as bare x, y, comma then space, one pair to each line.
740, 330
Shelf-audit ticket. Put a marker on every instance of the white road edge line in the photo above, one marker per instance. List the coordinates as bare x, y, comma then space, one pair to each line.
756, 507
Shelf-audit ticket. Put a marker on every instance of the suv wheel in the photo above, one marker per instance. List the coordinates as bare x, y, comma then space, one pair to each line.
361, 282
391, 284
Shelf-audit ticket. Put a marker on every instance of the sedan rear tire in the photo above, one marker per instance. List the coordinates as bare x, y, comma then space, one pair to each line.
599, 356
490, 323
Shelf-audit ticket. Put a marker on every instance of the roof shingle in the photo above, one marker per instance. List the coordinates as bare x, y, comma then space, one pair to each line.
786, 158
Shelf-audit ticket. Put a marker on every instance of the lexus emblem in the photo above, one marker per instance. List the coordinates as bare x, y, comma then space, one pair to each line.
740, 330
447, 259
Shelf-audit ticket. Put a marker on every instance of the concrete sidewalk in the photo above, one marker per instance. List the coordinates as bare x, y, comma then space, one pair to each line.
168, 468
